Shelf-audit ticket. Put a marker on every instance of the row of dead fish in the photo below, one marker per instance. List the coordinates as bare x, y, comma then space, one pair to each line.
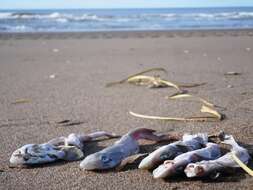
193, 155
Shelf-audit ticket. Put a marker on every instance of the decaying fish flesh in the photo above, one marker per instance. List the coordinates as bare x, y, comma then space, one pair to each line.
170, 151
112, 156
172, 167
213, 168
63, 148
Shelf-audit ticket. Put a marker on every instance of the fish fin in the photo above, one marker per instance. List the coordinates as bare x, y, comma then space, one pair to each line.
131, 160
57, 141
72, 153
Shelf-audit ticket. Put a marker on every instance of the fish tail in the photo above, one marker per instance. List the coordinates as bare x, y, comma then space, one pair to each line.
144, 133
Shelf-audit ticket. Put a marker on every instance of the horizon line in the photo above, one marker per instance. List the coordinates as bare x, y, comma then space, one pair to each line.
94, 8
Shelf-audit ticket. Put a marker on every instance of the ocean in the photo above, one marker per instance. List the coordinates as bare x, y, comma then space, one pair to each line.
125, 19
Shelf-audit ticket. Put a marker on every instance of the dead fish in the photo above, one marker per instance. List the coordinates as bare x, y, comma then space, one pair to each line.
172, 167
62, 148
112, 156
213, 168
170, 151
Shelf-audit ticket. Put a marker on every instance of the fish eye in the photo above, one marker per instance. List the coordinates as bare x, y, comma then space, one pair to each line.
105, 159
164, 157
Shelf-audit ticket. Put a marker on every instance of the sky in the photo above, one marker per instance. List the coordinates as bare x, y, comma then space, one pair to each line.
49, 4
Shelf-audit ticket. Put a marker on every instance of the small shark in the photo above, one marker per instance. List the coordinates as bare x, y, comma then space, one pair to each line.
213, 168
172, 167
170, 151
61, 148
112, 156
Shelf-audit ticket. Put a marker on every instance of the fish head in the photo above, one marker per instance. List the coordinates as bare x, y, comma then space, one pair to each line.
35, 154
102, 161
167, 169
155, 158
201, 170
195, 170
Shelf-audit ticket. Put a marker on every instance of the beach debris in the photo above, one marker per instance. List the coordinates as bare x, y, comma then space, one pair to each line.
52, 76
112, 156
248, 49
213, 168
170, 151
154, 81
186, 51
56, 50
140, 73
231, 73
178, 96
230, 86
172, 167
21, 101
219, 59
62, 148
68, 122
215, 116
241, 164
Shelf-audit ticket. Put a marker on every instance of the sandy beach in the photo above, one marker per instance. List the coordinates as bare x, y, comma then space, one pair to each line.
63, 76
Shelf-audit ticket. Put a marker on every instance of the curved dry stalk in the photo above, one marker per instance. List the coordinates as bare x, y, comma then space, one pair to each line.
186, 119
154, 81
205, 109
178, 96
140, 73
241, 164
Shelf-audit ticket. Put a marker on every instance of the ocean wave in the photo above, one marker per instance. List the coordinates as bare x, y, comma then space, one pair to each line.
65, 17
200, 16
52, 16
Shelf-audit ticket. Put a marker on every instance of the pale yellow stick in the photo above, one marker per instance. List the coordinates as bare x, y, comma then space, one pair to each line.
197, 119
177, 96
241, 164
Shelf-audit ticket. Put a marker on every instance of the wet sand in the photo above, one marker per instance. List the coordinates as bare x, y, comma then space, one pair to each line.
63, 76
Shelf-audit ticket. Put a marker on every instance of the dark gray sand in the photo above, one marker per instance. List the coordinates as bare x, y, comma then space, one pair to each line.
64, 75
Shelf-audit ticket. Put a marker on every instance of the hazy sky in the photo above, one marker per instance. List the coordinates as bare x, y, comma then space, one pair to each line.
28, 4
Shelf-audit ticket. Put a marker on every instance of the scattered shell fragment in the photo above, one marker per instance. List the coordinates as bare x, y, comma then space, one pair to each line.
248, 49
52, 76
186, 51
219, 59
55, 50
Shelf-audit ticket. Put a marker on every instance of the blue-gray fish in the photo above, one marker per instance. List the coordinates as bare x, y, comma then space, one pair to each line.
112, 156
63, 148
213, 168
170, 151
172, 167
